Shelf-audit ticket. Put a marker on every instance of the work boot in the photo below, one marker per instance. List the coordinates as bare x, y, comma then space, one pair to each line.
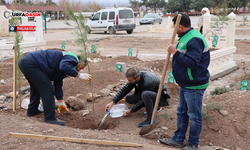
146, 122
190, 147
56, 121
34, 114
170, 142
158, 110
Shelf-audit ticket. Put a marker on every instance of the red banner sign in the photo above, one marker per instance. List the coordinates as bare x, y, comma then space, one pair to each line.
32, 14
26, 28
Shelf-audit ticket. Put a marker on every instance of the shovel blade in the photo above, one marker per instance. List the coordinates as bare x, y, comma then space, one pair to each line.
147, 128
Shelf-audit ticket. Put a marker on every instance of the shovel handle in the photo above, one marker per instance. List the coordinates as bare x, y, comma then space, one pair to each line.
165, 69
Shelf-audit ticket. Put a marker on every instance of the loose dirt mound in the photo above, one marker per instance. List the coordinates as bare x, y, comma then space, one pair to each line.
232, 130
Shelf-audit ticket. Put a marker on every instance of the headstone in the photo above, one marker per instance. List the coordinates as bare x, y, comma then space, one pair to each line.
169, 21
231, 30
29, 36
150, 28
39, 29
58, 15
121, 67
24, 21
168, 27
219, 34
4, 23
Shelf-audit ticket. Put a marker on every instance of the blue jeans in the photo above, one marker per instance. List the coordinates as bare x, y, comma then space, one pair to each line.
189, 107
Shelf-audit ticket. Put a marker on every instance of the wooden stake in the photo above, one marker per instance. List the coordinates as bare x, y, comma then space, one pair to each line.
55, 138
14, 76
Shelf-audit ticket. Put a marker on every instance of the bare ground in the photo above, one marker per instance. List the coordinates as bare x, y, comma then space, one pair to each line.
231, 131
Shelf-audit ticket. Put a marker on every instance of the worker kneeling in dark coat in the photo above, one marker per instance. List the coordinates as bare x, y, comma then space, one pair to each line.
146, 86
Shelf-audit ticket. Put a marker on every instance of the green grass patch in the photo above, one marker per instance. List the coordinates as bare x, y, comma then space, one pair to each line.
210, 107
225, 89
165, 115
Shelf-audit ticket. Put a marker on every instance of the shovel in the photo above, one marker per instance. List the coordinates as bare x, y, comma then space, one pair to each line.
147, 128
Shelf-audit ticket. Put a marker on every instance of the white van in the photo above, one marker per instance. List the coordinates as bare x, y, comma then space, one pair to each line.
112, 20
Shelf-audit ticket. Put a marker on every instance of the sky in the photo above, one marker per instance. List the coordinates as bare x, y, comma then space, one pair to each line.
109, 3
105, 3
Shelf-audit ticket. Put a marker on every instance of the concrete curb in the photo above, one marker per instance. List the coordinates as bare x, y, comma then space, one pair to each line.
60, 28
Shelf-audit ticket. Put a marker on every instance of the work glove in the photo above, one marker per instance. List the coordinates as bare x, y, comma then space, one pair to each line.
85, 76
62, 106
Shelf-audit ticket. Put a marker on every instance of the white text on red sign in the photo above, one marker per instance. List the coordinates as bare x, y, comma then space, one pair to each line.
26, 28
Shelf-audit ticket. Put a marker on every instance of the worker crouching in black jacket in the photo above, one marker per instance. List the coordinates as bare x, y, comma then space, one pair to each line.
146, 86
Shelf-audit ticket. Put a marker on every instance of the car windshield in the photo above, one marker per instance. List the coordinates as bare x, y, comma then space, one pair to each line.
149, 16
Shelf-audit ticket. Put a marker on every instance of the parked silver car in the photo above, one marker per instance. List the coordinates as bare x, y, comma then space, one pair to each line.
151, 19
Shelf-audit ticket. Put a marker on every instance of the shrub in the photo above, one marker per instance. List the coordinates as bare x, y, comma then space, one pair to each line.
220, 90
210, 107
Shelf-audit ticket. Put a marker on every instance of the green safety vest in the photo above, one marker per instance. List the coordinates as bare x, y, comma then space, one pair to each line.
183, 49
74, 55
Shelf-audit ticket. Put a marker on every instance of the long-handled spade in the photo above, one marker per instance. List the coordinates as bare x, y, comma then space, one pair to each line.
147, 128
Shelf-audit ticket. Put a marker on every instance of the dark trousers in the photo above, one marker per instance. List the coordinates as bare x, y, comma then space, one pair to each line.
40, 86
148, 98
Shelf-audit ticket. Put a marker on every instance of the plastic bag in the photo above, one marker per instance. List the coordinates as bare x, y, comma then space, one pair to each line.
118, 110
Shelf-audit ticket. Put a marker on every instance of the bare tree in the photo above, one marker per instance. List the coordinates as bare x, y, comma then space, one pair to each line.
3, 2
63, 3
135, 5
94, 6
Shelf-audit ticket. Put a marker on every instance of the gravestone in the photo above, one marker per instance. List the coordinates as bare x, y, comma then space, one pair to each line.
222, 38
4, 23
32, 40
224, 31
121, 66
168, 27
28, 35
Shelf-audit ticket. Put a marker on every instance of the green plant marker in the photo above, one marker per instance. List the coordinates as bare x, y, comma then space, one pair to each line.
216, 37
130, 54
63, 46
244, 83
118, 66
171, 79
93, 48
170, 74
214, 43
243, 88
